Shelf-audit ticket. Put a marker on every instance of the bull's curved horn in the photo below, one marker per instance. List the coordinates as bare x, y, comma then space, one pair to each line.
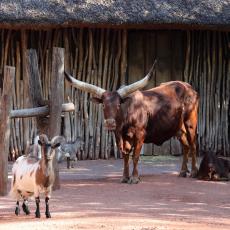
123, 92
85, 86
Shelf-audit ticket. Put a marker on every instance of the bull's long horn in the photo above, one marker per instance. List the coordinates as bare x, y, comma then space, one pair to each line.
125, 91
85, 86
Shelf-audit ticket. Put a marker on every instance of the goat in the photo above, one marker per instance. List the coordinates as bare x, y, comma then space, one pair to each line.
69, 150
32, 176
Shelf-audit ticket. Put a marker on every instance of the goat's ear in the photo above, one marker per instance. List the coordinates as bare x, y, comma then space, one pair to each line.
96, 100
54, 146
39, 142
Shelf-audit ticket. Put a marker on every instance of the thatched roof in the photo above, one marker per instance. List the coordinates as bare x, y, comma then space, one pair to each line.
55, 13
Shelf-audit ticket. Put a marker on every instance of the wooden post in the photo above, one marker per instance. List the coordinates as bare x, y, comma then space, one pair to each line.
26, 98
39, 111
6, 104
56, 99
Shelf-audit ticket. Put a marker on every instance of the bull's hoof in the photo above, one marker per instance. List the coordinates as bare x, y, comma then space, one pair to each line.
183, 173
194, 173
125, 180
134, 180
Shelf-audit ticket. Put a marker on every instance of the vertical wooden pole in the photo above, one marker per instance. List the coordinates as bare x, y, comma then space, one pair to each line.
35, 89
6, 104
56, 99
26, 99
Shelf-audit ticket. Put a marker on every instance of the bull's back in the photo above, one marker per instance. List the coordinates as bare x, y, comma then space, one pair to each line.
162, 110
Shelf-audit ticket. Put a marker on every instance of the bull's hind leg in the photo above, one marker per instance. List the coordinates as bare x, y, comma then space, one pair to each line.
185, 146
191, 126
192, 143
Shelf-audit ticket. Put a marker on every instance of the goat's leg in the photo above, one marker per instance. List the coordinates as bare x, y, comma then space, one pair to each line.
37, 212
68, 162
17, 209
47, 208
25, 207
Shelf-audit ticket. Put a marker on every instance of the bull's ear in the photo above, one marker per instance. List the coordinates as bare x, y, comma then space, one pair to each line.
96, 100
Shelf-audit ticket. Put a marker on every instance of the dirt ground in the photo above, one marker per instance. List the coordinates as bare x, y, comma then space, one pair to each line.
92, 197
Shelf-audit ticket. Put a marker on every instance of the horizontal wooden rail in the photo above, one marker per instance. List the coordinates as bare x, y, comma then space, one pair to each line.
39, 111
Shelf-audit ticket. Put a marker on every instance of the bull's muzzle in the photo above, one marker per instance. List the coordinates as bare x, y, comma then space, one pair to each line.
110, 124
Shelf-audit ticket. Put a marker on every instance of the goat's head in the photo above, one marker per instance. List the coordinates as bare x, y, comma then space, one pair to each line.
48, 147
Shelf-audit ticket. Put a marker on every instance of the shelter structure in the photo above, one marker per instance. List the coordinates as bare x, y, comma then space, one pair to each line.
111, 43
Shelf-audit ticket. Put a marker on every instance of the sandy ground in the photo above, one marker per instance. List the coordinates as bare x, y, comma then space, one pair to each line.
92, 197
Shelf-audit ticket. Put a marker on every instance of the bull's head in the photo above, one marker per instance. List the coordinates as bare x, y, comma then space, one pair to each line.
111, 100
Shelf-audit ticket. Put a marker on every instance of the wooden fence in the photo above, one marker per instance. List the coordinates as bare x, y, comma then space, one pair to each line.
207, 68
110, 58
95, 56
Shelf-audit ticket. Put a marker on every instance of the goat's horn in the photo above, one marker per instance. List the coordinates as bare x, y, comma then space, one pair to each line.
43, 138
58, 139
85, 86
126, 90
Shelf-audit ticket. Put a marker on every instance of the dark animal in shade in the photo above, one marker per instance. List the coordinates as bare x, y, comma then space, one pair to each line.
149, 116
214, 168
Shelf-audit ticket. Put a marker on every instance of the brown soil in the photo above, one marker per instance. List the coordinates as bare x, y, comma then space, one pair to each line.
92, 197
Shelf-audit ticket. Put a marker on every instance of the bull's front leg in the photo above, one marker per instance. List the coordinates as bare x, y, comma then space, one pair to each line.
134, 179
125, 155
125, 178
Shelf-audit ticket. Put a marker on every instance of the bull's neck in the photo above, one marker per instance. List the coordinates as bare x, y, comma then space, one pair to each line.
120, 118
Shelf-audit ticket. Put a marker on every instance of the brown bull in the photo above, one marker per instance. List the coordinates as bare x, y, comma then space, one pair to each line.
150, 116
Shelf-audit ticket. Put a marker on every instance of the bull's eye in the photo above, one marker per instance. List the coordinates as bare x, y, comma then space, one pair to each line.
118, 106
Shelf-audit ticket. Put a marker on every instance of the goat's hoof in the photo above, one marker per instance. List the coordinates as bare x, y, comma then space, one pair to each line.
134, 180
48, 215
125, 180
25, 209
37, 214
17, 211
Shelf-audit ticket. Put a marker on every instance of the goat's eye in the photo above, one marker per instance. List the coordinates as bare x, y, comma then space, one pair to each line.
103, 106
118, 106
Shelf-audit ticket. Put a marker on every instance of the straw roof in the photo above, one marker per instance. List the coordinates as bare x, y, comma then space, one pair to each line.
59, 13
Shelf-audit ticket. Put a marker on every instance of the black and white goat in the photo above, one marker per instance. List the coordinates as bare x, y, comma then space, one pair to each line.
69, 151
31, 176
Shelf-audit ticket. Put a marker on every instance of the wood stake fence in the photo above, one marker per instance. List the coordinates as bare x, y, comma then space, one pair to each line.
99, 56
207, 68
92, 55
